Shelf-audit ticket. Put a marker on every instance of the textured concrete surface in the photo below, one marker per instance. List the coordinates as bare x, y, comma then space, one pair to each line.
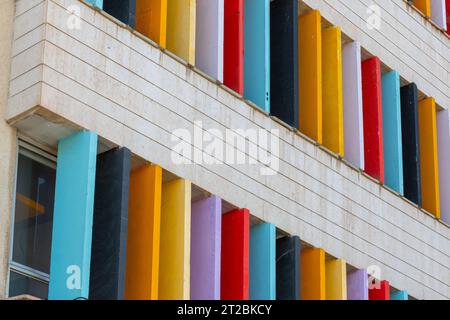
8, 140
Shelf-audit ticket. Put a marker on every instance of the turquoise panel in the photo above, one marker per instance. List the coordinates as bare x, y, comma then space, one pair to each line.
399, 295
263, 262
97, 3
257, 52
72, 217
392, 131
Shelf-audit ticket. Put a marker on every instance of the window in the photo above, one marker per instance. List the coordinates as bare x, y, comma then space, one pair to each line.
32, 224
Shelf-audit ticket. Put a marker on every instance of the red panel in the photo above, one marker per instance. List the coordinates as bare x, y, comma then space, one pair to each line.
233, 63
373, 125
235, 255
447, 3
382, 293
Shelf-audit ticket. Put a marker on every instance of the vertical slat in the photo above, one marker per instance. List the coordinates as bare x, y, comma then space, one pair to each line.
73, 217
96, 3
443, 135
332, 99
310, 74
257, 52
381, 291
357, 285
174, 261
234, 282
110, 227
438, 14
151, 20
181, 29
233, 64
447, 9
312, 280
399, 295
206, 221
429, 156
373, 122
423, 6
336, 279
263, 262
410, 144
209, 37
353, 104
288, 268
144, 224
284, 60
392, 131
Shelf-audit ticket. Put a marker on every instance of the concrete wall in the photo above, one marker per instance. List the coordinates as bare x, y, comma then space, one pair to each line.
8, 140
104, 78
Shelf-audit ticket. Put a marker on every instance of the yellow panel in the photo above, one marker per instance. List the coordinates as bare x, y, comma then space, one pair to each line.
429, 156
144, 214
312, 280
424, 6
332, 98
151, 19
310, 75
336, 279
181, 29
174, 264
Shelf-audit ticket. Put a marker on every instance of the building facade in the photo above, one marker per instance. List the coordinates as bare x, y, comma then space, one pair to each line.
225, 149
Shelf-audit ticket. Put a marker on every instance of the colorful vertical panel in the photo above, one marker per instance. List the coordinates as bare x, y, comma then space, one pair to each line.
263, 262
174, 259
123, 10
332, 99
144, 224
353, 104
151, 19
181, 29
429, 156
233, 64
312, 270
392, 131
438, 13
206, 226
284, 61
257, 52
110, 226
73, 217
410, 144
234, 281
96, 3
443, 136
381, 291
357, 285
336, 279
310, 74
447, 6
399, 295
373, 122
423, 6
209, 37
288, 268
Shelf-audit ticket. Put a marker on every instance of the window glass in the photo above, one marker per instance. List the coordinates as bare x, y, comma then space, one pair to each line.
20, 284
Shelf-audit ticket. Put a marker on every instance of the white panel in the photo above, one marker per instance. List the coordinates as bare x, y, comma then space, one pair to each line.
209, 37
438, 14
443, 131
352, 92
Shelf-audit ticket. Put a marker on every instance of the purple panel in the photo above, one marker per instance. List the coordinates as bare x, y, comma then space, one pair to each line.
357, 285
206, 225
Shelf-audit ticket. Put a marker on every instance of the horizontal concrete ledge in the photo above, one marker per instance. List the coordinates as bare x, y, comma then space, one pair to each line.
109, 80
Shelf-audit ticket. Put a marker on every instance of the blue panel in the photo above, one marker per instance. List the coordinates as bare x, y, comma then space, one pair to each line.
392, 131
97, 3
72, 218
262, 262
399, 295
257, 52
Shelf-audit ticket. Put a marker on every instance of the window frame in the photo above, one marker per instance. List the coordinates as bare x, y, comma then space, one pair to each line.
45, 156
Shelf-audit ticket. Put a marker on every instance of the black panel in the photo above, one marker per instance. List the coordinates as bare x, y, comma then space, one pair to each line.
288, 268
109, 234
284, 60
411, 151
124, 10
